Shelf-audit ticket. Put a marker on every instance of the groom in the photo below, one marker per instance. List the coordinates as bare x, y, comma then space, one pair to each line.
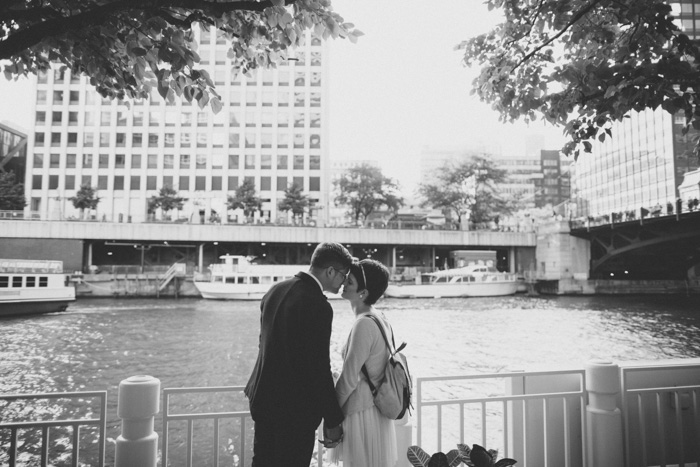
291, 388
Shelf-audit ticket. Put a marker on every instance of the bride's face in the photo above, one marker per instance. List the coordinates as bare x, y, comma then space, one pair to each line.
350, 291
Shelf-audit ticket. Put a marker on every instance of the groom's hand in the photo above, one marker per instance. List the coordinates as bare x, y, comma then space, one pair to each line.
332, 436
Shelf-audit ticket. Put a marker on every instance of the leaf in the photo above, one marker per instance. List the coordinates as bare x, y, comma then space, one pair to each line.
480, 457
139, 51
454, 458
277, 2
215, 105
505, 462
417, 456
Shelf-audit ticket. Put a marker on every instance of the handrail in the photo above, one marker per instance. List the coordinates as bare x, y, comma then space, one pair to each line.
46, 425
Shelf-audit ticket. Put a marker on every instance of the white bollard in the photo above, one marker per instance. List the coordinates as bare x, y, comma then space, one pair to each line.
604, 419
139, 402
404, 439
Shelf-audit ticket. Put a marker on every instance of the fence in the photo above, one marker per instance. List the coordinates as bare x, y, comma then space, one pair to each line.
538, 418
14, 456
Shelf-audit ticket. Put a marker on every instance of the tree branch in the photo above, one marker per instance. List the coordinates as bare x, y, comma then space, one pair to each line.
580, 14
37, 32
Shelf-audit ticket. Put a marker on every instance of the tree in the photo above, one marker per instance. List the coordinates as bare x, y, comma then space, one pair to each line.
85, 198
246, 198
468, 187
167, 200
11, 193
296, 201
585, 63
364, 190
128, 47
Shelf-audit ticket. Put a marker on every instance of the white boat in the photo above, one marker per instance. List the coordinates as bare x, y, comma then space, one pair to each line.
237, 278
32, 287
468, 281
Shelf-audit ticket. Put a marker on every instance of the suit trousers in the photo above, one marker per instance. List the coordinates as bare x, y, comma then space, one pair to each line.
282, 443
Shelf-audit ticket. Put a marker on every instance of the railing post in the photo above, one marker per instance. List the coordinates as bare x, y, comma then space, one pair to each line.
139, 400
404, 439
604, 440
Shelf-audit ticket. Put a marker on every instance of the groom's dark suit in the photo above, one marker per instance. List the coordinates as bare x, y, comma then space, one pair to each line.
291, 387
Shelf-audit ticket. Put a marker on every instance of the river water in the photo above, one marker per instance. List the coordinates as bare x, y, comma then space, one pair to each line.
195, 342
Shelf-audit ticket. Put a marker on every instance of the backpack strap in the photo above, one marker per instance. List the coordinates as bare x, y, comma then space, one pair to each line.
392, 350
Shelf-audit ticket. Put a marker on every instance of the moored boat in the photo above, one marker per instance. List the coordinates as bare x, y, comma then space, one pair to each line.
33, 286
468, 281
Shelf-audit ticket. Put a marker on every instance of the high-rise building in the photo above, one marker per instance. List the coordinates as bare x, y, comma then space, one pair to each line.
272, 130
13, 150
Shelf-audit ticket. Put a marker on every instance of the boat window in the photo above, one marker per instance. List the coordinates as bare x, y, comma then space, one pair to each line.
254, 280
4, 281
240, 280
31, 281
266, 280
17, 281
230, 280
472, 279
43, 281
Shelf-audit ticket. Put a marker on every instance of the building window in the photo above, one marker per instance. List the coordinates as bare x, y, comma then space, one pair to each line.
250, 140
281, 183
315, 99
152, 161
314, 183
201, 140
103, 161
119, 182
169, 140
152, 140
138, 118
121, 140
69, 182
186, 119
216, 183
40, 118
283, 99
87, 161
265, 183
233, 161
136, 161
135, 183
185, 139
56, 118
70, 161
250, 161
200, 183
315, 141
283, 78
119, 161
53, 182
282, 162
282, 119
266, 161
299, 99
298, 181
137, 140
184, 183
201, 161
266, 140
314, 162
38, 139
104, 140
298, 141
55, 139
184, 161
232, 183
86, 180
154, 118
102, 181
38, 161
54, 161
299, 119
168, 161
167, 181
202, 118
298, 162
73, 118
151, 182
315, 78
36, 182
58, 97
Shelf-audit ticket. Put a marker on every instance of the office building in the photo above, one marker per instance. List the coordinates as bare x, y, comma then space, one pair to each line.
272, 130
13, 150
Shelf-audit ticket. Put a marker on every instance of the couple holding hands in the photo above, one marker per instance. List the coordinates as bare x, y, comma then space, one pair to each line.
291, 388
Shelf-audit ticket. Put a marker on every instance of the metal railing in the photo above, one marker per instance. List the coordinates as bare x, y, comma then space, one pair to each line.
526, 421
46, 425
661, 423
243, 416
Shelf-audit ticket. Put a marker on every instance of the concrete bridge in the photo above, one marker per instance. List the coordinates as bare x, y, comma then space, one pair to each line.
649, 247
82, 244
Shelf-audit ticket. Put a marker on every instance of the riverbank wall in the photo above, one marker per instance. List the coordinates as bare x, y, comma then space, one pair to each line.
616, 287
132, 285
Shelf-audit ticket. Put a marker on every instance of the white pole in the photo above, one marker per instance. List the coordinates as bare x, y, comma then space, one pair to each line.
139, 402
404, 440
604, 419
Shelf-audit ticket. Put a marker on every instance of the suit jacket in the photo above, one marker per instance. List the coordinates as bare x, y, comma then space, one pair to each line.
292, 375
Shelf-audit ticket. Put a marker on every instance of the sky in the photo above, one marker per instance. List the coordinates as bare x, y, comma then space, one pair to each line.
401, 88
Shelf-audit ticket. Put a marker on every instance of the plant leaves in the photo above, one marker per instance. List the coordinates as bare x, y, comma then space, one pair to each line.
505, 462
454, 458
417, 456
